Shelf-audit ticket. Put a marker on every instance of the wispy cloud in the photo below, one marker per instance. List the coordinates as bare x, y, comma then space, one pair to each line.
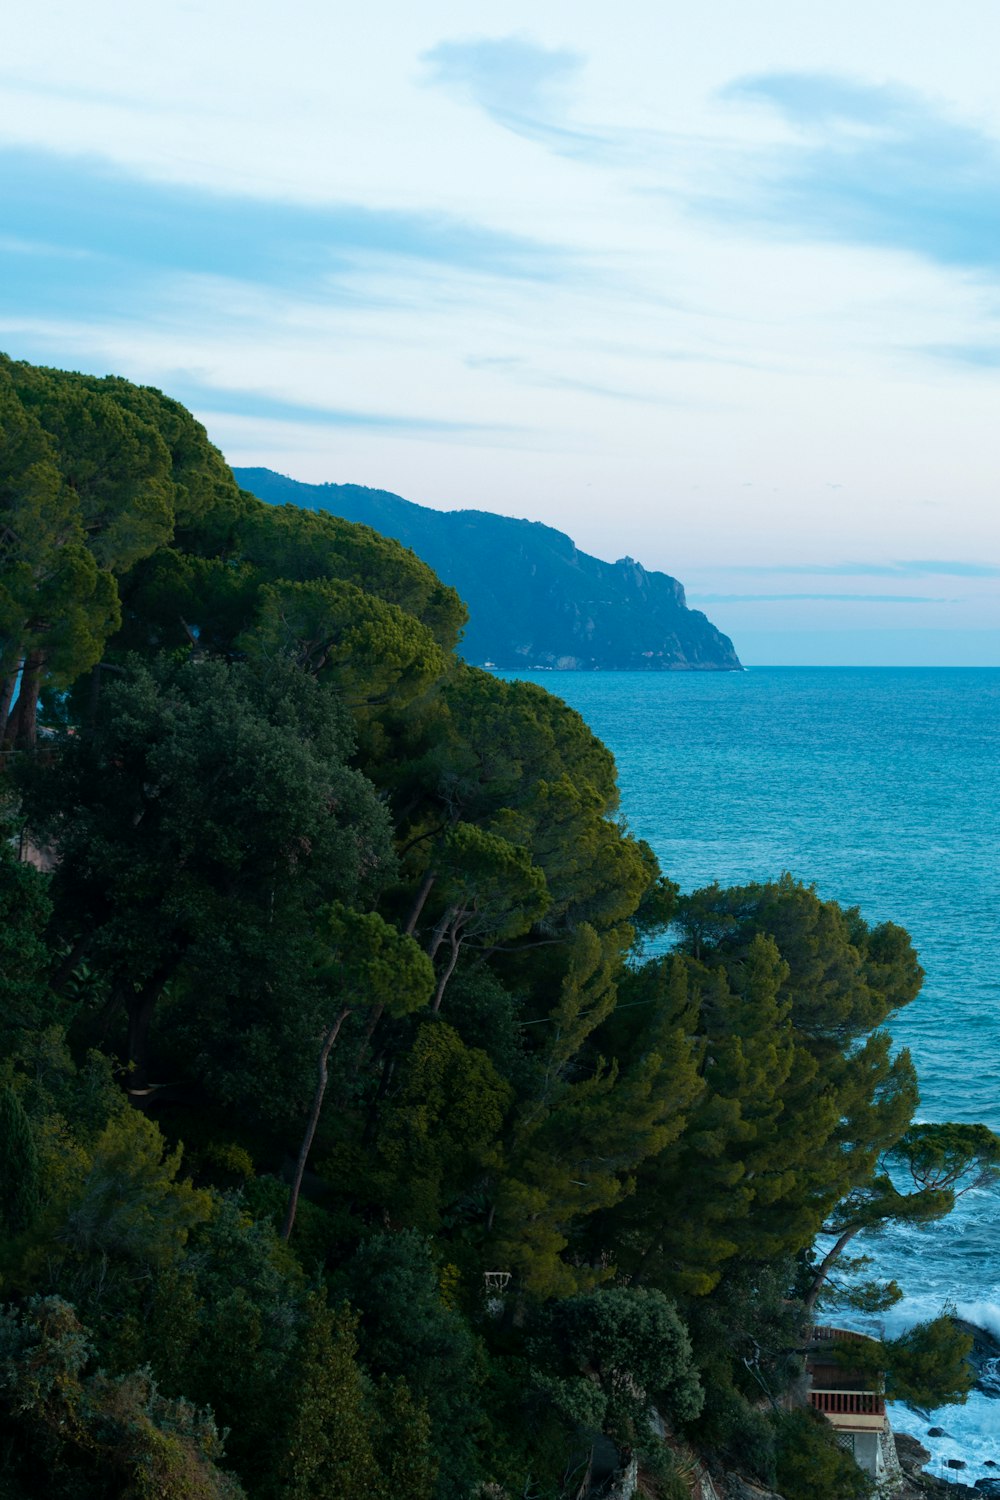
522, 371
809, 598
976, 356
129, 238
865, 164
919, 568
877, 166
244, 403
520, 84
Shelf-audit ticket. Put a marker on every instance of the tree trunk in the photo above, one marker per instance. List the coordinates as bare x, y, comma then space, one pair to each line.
307, 1139
384, 1083
140, 1015
437, 936
449, 969
826, 1265
94, 696
420, 902
23, 721
7, 686
377, 1013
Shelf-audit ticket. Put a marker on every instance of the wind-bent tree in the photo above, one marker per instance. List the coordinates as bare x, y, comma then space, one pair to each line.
942, 1162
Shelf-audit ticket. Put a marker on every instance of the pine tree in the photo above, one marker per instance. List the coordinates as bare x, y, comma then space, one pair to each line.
328, 1450
18, 1165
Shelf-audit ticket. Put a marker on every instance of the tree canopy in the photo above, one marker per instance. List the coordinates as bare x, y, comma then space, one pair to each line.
351, 1141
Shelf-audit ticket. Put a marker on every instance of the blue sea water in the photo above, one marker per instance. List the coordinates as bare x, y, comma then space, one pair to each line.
882, 787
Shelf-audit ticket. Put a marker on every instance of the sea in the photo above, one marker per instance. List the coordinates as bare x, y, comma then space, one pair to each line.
881, 787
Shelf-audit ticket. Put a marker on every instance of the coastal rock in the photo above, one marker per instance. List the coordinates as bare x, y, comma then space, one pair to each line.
917, 1485
984, 1358
737, 1488
911, 1453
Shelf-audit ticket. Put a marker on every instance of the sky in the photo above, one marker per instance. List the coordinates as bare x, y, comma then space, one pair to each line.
715, 286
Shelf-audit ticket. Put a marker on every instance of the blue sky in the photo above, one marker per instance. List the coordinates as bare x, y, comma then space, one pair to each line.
718, 288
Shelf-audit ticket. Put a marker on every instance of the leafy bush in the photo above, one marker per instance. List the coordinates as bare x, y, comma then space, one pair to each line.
810, 1461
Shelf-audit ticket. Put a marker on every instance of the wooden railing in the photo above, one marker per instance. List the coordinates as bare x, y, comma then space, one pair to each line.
825, 1333
847, 1403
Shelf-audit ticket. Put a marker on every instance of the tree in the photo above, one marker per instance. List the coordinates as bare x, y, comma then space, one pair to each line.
810, 1462
18, 1165
570, 1150
200, 826
698, 1204
929, 1365
798, 1102
97, 1436
943, 1162
365, 963
844, 978
440, 1134
492, 892
114, 1212
58, 605
408, 1331
25, 960
89, 492
632, 1342
372, 650
298, 546
328, 1453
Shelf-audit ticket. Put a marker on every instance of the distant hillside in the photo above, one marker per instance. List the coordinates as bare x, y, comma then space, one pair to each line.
534, 599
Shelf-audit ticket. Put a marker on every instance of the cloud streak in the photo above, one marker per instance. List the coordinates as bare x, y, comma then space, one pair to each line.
875, 166
522, 372
810, 598
228, 401
974, 356
878, 166
129, 239
918, 568
521, 85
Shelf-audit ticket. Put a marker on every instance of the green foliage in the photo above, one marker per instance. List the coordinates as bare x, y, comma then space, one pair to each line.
328, 1451
734, 1430
93, 1436
949, 1158
114, 1212
404, 1442
368, 962
809, 1461
929, 1365
843, 979
25, 959
632, 1343
202, 824
18, 1165
408, 1332
438, 1137
368, 648
301, 849
301, 546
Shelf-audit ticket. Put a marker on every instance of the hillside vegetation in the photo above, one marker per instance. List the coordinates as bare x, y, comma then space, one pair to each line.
349, 1147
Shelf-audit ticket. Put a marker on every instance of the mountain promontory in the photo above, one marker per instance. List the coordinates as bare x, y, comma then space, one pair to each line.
534, 599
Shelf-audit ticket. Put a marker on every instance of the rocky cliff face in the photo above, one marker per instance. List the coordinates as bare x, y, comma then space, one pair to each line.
534, 599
